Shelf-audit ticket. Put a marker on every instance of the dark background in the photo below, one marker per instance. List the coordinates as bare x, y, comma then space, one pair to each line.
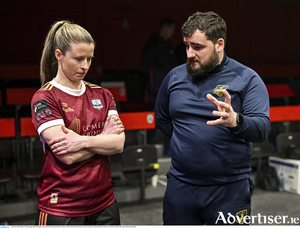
261, 34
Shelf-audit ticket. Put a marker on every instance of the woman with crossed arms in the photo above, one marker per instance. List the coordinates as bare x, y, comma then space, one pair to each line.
79, 127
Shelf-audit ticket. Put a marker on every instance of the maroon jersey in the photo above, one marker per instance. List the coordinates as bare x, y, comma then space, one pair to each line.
83, 188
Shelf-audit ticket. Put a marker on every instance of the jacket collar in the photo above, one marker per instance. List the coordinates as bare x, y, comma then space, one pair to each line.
220, 66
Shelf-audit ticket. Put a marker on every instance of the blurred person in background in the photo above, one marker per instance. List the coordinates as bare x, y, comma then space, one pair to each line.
158, 58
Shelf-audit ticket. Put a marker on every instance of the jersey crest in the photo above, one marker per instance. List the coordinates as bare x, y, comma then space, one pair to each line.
97, 104
219, 90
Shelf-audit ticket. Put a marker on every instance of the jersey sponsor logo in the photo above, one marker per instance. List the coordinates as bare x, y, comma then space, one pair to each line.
219, 90
93, 129
41, 110
54, 198
97, 104
65, 108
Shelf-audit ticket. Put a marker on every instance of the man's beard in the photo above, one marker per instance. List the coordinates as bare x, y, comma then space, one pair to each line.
204, 68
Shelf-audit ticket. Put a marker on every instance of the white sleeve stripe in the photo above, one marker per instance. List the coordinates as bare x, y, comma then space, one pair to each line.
50, 123
112, 112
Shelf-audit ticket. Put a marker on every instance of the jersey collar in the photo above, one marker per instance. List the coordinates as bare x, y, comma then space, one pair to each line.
68, 90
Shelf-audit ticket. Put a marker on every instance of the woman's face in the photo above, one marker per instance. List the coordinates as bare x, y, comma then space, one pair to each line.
76, 62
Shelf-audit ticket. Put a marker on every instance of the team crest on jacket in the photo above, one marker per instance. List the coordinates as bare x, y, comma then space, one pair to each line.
219, 90
97, 104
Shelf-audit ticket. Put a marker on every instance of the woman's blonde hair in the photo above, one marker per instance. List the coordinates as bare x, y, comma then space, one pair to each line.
61, 35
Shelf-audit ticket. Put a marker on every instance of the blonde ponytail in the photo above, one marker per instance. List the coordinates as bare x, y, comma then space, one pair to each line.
60, 36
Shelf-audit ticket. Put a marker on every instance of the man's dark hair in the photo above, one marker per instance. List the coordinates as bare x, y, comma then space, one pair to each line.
209, 22
166, 22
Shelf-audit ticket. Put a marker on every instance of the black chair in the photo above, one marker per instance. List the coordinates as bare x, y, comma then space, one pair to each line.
5, 177
7, 138
31, 171
115, 168
288, 145
136, 157
261, 148
260, 155
139, 163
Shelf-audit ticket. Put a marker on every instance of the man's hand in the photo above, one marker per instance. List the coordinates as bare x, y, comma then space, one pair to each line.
225, 111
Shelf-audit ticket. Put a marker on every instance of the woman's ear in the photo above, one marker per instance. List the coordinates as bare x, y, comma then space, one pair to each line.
58, 54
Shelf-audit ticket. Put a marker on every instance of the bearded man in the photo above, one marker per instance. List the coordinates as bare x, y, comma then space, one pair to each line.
212, 108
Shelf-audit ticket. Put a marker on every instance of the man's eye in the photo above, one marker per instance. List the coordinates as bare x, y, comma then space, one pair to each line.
198, 48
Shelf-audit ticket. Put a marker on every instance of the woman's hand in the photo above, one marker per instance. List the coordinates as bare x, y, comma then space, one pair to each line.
113, 125
72, 142
69, 143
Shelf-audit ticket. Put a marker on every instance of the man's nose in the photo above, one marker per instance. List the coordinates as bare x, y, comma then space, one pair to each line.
189, 52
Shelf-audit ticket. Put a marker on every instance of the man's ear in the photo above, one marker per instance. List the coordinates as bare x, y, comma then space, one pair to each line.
220, 45
58, 54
